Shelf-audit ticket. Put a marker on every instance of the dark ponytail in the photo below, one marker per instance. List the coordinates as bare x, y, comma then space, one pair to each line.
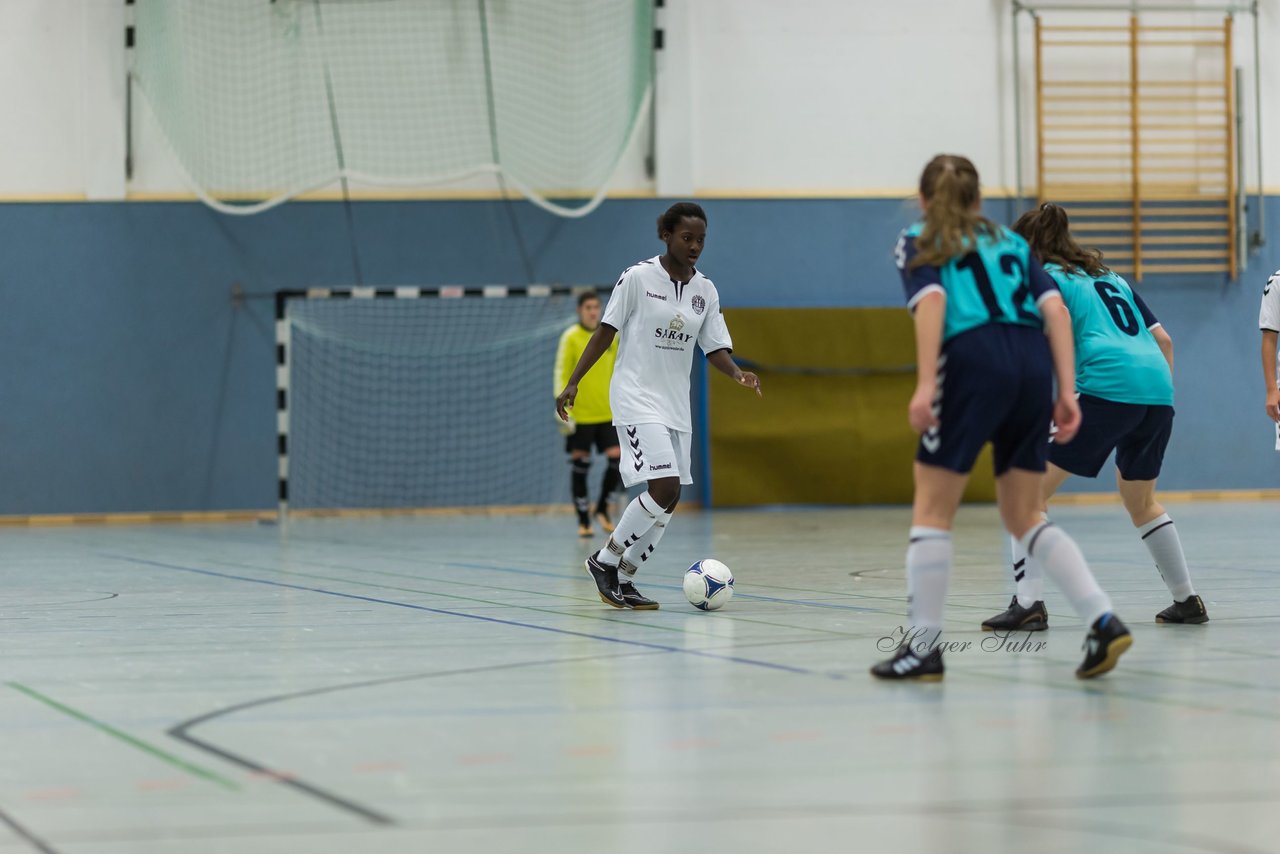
1048, 232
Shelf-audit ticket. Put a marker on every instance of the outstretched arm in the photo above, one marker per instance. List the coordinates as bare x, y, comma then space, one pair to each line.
723, 363
600, 341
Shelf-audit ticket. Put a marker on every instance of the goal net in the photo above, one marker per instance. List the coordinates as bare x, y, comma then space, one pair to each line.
266, 99
414, 398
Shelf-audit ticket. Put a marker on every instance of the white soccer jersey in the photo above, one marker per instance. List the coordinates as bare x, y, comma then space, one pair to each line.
658, 322
1269, 314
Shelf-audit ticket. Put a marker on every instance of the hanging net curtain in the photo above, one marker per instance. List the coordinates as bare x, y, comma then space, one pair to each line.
263, 100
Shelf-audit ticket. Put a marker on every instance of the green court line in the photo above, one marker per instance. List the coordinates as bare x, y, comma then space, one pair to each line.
151, 749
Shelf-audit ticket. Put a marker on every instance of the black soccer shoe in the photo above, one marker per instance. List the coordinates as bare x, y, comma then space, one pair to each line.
1106, 642
1190, 611
636, 600
1019, 619
907, 665
606, 579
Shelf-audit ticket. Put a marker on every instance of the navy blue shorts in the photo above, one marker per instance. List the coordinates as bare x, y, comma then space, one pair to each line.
995, 384
1138, 433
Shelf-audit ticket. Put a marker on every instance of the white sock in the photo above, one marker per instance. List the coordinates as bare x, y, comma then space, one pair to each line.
1161, 539
637, 519
642, 549
928, 571
1028, 575
1064, 563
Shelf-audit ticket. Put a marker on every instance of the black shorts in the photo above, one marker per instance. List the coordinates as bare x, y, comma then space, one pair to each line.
1138, 433
995, 384
603, 436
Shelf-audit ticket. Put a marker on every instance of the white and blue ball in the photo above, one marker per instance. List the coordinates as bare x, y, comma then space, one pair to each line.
708, 585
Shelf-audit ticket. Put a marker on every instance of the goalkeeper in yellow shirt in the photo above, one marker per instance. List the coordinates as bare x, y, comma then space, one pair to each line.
592, 422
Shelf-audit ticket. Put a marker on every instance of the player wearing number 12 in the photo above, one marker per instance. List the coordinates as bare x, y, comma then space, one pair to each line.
1124, 376
983, 307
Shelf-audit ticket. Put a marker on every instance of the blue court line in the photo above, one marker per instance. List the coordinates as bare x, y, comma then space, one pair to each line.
737, 594
786, 668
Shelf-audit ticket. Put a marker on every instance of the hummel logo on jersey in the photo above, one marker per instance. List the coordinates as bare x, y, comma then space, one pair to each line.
663, 467
662, 297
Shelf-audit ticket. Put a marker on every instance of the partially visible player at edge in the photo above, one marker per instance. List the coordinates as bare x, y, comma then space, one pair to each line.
1269, 323
982, 308
1124, 380
661, 307
592, 422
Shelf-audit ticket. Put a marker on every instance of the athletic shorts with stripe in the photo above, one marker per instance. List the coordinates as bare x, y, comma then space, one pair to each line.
1138, 433
995, 384
652, 451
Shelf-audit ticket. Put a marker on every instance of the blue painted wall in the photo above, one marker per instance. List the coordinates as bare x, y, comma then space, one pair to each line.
131, 382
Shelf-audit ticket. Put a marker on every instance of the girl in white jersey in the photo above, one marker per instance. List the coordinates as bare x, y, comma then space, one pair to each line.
661, 307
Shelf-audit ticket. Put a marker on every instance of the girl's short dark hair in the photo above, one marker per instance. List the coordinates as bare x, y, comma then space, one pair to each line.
669, 220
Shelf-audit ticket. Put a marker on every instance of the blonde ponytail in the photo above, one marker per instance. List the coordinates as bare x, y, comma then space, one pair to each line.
952, 223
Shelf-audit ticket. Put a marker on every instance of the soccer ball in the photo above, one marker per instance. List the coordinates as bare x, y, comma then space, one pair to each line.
708, 585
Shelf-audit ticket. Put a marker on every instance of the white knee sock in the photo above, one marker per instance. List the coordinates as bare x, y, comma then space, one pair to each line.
1063, 562
928, 571
1161, 539
1028, 576
642, 549
637, 519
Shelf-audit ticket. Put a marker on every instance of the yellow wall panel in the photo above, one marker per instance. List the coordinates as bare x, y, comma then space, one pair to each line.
832, 426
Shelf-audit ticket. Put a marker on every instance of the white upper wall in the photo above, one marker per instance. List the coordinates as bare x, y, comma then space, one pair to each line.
833, 95
755, 97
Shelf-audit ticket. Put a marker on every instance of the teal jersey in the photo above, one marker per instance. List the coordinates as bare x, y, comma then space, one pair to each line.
1117, 357
996, 282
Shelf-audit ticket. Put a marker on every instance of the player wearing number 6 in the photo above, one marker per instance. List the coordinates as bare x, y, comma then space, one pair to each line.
1124, 376
983, 308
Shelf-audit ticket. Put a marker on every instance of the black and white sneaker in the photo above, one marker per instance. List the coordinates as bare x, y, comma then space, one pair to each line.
1107, 640
907, 664
1019, 619
606, 579
634, 599
1190, 611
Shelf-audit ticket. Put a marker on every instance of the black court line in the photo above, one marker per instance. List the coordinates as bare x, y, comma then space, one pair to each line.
102, 598
36, 842
182, 730
768, 665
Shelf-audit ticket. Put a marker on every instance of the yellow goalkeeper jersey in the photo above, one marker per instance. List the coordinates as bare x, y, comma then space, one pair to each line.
592, 405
